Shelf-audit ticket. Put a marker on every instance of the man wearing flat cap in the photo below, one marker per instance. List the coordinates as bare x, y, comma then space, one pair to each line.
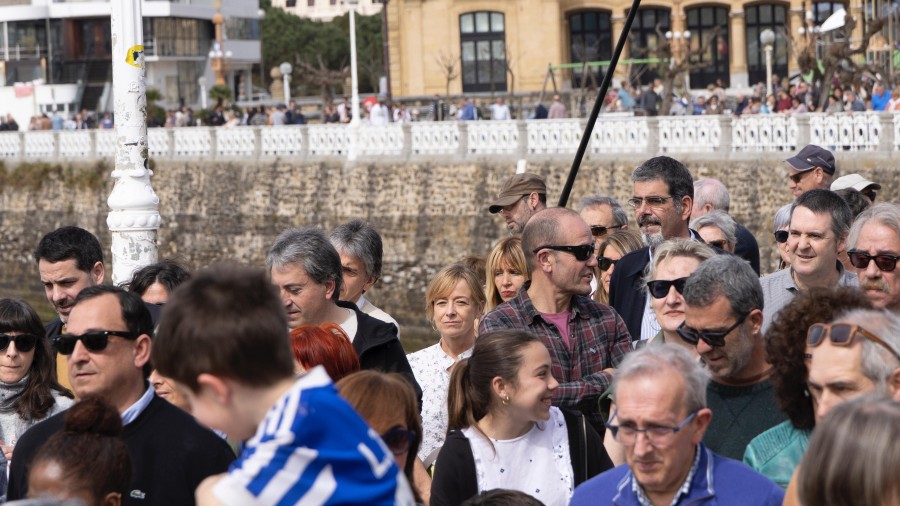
813, 167
520, 197
868, 188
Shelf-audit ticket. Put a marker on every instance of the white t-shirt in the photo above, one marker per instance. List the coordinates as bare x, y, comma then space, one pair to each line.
538, 463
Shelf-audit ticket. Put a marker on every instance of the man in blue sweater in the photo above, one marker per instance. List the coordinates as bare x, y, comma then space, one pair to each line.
659, 419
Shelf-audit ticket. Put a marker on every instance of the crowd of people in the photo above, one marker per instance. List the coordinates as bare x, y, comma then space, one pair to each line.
579, 361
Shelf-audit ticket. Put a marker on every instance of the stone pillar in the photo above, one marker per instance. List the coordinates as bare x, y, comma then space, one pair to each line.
725, 137
803, 130
886, 136
738, 49
618, 24
134, 207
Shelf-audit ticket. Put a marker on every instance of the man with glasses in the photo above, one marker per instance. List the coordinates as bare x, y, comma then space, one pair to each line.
817, 234
520, 198
107, 346
813, 167
723, 318
660, 418
586, 340
604, 215
874, 248
662, 202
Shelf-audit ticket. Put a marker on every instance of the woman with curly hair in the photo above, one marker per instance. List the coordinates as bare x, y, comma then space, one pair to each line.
776, 452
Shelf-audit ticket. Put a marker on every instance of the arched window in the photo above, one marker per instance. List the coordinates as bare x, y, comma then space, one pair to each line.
703, 23
483, 51
589, 40
758, 18
644, 42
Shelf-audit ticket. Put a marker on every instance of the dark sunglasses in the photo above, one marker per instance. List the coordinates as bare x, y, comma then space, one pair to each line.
721, 243
714, 339
598, 231
398, 440
842, 334
796, 178
660, 287
581, 253
860, 260
24, 342
781, 236
605, 263
94, 340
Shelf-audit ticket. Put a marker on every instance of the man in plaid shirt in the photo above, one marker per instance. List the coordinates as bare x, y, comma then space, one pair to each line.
586, 340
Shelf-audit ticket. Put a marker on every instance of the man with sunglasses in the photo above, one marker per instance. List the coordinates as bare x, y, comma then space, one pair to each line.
586, 340
723, 318
820, 220
662, 203
874, 248
108, 351
660, 419
604, 215
521, 196
813, 167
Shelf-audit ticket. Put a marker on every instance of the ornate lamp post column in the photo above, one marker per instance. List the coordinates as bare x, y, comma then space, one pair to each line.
767, 37
354, 84
134, 207
286, 69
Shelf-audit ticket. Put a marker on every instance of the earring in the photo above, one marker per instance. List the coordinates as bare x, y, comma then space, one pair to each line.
505, 400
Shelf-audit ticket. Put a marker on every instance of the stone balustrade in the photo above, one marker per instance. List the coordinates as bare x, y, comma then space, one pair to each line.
612, 135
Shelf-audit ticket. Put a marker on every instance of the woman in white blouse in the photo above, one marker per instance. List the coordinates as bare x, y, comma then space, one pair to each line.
504, 432
453, 302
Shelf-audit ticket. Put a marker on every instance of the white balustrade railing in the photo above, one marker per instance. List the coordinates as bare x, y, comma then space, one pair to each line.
850, 131
764, 132
620, 135
689, 134
612, 135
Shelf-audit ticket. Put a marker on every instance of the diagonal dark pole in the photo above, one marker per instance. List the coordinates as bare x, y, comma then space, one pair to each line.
586, 136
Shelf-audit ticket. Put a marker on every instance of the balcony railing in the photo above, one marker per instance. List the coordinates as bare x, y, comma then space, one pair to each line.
873, 132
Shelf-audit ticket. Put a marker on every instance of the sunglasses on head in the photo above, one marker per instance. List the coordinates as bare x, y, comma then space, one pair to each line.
605, 263
842, 334
599, 231
781, 236
716, 339
398, 440
24, 342
861, 259
660, 288
581, 253
93, 340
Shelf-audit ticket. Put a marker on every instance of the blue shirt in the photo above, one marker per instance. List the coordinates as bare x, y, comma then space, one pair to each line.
312, 448
880, 102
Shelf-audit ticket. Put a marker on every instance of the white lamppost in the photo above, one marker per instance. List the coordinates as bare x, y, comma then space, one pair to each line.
679, 44
201, 81
354, 83
286, 69
134, 207
767, 37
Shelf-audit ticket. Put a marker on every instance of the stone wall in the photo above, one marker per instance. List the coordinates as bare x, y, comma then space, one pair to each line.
429, 214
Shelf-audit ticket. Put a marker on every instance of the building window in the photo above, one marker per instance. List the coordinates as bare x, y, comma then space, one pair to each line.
290, 3
702, 23
483, 51
824, 10
759, 17
589, 40
177, 37
310, 3
242, 28
644, 43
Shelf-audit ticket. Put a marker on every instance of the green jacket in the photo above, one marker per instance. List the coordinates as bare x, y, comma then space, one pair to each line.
776, 452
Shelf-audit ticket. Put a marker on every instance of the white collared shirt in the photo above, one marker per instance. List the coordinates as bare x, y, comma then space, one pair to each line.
135, 410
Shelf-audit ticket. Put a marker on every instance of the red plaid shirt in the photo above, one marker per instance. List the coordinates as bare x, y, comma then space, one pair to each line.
598, 340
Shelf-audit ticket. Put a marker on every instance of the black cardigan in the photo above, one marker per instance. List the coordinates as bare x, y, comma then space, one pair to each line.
454, 471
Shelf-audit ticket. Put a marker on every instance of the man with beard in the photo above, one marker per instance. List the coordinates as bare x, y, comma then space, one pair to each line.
662, 201
874, 249
723, 318
521, 196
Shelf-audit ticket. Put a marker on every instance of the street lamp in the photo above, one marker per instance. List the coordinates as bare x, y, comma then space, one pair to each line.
354, 84
679, 42
767, 37
286, 69
201, 81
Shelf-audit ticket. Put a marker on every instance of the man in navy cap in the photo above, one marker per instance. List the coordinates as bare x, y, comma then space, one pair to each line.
813, 167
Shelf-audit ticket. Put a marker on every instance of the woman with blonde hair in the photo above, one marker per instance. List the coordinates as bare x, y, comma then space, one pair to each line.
506, 272
453, 301
504, 431
611, 250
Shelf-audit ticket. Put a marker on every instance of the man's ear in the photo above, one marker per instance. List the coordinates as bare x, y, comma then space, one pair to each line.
756, 320
142, 347
98, 273
687, 205
329, 289
218, 387
533, 200
700, 423
369, 283
112, 499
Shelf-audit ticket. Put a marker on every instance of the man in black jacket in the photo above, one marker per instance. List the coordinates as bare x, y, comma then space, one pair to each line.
108, 349
307, 271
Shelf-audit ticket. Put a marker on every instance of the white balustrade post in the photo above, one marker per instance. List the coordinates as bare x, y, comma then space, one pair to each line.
134, 207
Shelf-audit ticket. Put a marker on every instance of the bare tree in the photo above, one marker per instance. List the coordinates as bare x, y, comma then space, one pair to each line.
448, 65
322, 76
677, 68
841, 59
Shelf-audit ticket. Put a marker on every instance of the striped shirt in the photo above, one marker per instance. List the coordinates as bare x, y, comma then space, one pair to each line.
313, 449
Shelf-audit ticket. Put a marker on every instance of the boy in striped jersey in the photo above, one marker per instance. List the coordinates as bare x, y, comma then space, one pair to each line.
223, 339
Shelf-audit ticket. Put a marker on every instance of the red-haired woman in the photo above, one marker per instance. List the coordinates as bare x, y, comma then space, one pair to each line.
325, 345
